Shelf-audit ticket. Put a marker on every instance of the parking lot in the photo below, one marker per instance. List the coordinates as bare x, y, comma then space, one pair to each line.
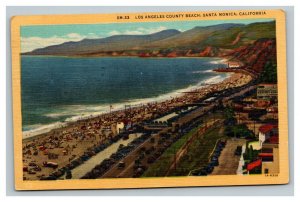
135, 163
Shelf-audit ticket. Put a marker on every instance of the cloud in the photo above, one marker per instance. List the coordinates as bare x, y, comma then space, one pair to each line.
136, 32
93, 36
112, 33
139, 31
151, 30
74, 36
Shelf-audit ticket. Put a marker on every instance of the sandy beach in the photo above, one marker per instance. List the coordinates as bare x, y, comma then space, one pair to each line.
70, 141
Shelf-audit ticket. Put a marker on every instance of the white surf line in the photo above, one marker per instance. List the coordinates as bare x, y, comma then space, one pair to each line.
119, 106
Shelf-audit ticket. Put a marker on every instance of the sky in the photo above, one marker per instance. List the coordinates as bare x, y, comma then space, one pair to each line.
40, 36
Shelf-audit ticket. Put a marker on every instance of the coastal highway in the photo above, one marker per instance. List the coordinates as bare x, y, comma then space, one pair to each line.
195, 114
240, 93
80, 171
128, 171
129, 160
202, 110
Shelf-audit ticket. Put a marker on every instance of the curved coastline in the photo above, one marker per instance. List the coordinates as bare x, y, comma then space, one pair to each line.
79, 137
105, 109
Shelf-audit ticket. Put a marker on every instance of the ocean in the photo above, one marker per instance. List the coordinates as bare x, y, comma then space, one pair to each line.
56, 90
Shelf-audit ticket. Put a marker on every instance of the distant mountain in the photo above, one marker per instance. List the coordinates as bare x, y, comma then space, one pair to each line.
192, 37
213, 40
112, 43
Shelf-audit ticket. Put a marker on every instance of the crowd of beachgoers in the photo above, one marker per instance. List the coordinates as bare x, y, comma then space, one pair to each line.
57, 148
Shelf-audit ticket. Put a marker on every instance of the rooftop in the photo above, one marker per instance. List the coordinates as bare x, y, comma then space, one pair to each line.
266, 128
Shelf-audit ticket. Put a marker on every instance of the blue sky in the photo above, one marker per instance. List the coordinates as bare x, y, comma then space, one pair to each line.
40, 36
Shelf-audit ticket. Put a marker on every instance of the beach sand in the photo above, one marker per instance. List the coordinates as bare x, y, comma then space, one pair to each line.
76, 138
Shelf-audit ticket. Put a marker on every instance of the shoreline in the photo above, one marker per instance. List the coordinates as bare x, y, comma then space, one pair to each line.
43, 129
90, 117
80, 137
223, 59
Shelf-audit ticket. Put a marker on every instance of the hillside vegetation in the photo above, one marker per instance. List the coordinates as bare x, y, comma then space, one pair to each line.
213, 40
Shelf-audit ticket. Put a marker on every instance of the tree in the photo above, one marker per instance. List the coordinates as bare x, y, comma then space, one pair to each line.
229, 116
269, 73
250, 155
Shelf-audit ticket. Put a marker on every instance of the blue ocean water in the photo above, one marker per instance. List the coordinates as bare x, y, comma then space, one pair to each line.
55, 89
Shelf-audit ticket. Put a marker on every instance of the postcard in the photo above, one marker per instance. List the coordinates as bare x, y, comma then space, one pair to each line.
140, 100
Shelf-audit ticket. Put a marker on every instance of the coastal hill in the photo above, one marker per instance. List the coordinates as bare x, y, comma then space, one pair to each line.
112, 43
207, 41
256, 55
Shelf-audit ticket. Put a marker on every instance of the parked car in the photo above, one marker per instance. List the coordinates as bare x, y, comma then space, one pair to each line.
50, 164
37, 168
151, 159
209, 169
68, 175
32, 164
215, 162
202, 172
238, 151
31, 171
48, 178
121, 165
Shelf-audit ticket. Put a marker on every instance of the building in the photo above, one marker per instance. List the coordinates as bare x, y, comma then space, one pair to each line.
233, 65
262, 103
267, 132
267, 160
272, 113
272, 109
266, 91
120, 127
269, 140
270, 158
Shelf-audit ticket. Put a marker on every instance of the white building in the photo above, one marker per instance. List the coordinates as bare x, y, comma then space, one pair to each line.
120, 126
234, 65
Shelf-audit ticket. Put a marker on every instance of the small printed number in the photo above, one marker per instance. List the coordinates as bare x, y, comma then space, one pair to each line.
123, 17
271, 175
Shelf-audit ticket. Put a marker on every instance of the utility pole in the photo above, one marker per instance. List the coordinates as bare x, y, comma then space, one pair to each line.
175, 160
254, 127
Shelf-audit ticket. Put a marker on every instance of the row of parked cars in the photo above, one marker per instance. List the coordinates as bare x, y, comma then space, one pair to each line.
123, 151
163, 143
148, 155
78, 161
214, 160
167, 139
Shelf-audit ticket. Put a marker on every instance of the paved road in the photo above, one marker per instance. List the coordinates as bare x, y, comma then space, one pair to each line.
195, 114
81, 170
129, 161
228, 162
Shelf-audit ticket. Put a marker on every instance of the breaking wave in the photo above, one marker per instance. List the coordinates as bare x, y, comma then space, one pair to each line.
81, 112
